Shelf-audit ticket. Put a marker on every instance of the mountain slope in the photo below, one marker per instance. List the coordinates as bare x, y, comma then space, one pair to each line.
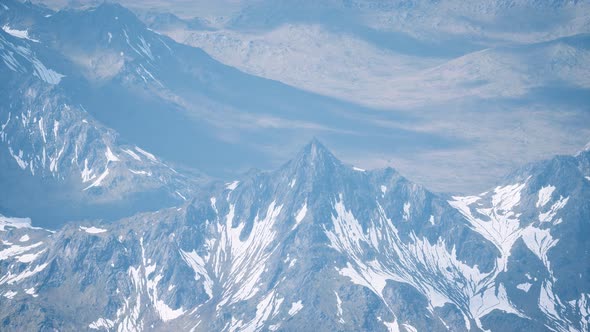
422, 22
56, 153
312, 57
315, 245
537, 219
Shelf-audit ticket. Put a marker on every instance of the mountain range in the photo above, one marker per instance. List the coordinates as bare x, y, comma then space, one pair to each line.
317, 244
126, 204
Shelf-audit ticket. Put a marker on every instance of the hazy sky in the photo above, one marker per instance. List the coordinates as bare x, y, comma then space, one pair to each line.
182, 8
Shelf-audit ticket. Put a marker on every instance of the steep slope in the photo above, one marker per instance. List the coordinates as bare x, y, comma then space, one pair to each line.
314, 245
538, 219
54, 153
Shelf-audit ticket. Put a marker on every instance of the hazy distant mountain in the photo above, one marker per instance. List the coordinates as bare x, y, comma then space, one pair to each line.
427, 20
140, 83
494, 73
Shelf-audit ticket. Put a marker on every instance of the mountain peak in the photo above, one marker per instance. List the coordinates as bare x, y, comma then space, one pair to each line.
315, 152
313, 162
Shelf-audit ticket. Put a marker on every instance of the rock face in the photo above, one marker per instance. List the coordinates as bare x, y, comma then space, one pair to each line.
317, 245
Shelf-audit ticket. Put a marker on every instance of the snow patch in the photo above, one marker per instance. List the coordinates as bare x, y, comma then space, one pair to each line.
524, 287
409, 327
499, 223
136, 172
98, 182
132, 154
31, 291
22, 34
197, 263
86, 173
14, 223
28, 258
55, 128
92, 230
146, 154
181, 196
545, 195
339, 308
295, 308
42, 130
549, 215
18, 158
110, 155
9, 294
300, 215
232, 185
11, 278
407, 207
267, 309
539, 241
102, 323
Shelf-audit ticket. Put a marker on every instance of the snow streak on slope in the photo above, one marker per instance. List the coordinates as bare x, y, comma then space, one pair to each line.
145, 279
198, 265
495, 216
430, 268
545, 195
498, 223
23, 34
22, 59
244, 260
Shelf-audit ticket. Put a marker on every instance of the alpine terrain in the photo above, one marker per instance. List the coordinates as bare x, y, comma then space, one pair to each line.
130, 198
317, 244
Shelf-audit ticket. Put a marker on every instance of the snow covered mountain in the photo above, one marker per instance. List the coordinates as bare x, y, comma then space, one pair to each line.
321, 245
55, 152
102, 228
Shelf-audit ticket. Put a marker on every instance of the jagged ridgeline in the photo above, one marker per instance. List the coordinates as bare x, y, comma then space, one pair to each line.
317, 245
